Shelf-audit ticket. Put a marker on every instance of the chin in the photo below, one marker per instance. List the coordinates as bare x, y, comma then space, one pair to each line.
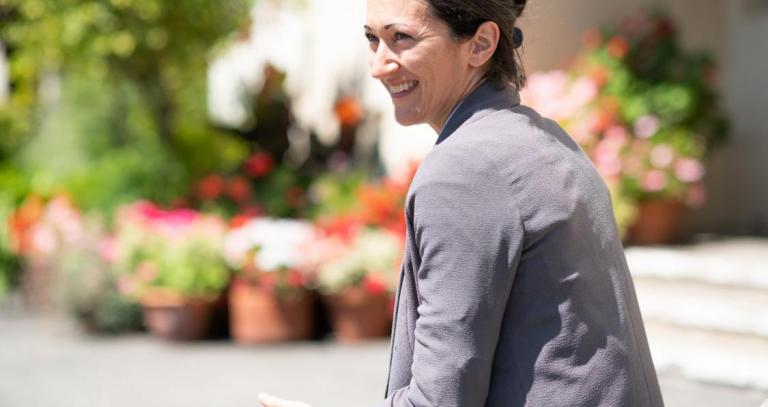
405, 119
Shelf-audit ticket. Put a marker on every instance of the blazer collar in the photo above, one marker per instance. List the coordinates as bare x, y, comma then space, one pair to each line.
485, 97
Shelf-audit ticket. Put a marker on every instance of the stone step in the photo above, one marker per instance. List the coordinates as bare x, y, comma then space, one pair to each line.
692, 304
710, 356
705, 308
741, 262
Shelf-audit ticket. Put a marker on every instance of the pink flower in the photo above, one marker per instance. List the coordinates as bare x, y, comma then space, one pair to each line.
646, 126
148, 210
689, 170
617, 136
581, 131
44, 239
179, 217
146, 271
583, 91
610, 167
662, 156
126, 285
108, 249
654, 181
545, 92
606, 156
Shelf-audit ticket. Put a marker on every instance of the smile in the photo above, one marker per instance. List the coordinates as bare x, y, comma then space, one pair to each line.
401, 89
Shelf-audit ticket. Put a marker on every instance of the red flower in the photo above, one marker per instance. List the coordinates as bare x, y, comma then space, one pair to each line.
294, 197
295, 279
397, 226
378, 204
600, 75
180, 203
664, 28
238, 220
592, 38
259, 164
348, 110
210, 187
239, 189
21, 221
373, 286
251, 211
618, 47
344, 226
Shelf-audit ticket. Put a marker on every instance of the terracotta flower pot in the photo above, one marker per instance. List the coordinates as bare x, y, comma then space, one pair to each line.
175, 317
658, 222
357, 315
260, 316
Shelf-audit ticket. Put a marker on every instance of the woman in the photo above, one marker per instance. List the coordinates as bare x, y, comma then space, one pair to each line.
514, 290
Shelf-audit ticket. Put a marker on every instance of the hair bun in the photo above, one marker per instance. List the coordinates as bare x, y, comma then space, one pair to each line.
517, 38
519, 6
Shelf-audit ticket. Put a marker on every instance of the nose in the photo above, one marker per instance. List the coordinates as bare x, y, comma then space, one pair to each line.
382, 62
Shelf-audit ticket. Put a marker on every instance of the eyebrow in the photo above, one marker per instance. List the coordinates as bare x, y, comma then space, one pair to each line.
386, 27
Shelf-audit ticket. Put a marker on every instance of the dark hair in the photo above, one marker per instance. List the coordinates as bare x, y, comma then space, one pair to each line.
465, 16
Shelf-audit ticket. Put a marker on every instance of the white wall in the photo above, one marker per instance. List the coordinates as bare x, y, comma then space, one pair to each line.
739, 174
553, 28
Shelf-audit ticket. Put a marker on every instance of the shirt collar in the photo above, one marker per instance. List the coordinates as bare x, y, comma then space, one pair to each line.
487, 96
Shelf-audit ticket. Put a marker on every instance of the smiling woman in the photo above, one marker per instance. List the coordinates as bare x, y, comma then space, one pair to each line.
514, 289
426, 68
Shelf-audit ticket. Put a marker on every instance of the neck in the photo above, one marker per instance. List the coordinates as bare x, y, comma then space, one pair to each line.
472, 84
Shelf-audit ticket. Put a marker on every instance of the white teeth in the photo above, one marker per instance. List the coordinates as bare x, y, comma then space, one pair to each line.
402, 87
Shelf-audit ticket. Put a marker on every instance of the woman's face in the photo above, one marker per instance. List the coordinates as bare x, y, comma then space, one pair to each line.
424, 68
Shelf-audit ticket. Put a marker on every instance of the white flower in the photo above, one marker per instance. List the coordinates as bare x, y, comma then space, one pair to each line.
372, 252
279, 243
647, 126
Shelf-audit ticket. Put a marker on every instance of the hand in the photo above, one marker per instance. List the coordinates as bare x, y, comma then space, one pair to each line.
269, 400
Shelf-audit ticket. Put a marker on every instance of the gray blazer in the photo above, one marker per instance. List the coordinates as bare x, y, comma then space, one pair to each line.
514, 290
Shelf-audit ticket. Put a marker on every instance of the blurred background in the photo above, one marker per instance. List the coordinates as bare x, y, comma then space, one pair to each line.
202, 200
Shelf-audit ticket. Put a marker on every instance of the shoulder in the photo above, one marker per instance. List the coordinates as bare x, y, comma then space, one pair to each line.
516, 155
458, 180
502, 145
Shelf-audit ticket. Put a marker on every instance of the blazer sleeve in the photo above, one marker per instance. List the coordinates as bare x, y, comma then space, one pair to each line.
470, 237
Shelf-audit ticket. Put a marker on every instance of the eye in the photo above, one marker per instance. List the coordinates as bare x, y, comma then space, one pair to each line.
371, 38
400, 36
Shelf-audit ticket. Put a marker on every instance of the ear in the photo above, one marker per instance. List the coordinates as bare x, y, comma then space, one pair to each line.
483, 44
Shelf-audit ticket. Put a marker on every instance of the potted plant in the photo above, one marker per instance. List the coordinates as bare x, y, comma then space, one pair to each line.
268, 298
356, 273
172, 263
647, 114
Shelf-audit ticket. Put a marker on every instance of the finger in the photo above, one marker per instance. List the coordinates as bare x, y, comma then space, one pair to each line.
269, 400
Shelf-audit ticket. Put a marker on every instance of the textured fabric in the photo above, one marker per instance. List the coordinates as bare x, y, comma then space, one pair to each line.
514, 289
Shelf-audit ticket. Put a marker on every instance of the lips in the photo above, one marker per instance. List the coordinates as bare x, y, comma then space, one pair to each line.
401, 89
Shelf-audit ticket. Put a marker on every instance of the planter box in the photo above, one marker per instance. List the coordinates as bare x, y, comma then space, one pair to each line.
175, 317
260, 316
658, 222
357, 315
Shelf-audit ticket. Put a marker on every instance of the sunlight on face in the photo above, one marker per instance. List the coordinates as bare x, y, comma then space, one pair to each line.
420, 63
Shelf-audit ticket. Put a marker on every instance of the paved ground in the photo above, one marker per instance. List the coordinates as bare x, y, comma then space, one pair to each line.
46, 363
